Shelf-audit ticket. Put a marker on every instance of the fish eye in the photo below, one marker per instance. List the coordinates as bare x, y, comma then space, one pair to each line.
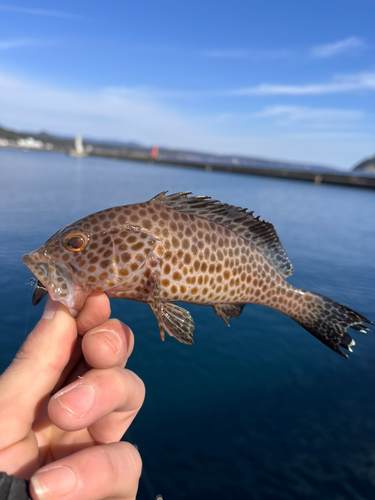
75, 242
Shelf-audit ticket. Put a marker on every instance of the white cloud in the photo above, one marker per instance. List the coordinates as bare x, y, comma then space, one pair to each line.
334, 49
107, 113
22, 42
361, 81
311, 117
239, 53
255, 54
38, 12
338, 85
137, 114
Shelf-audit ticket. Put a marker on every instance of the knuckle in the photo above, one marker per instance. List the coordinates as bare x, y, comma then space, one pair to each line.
132, 459
122, 460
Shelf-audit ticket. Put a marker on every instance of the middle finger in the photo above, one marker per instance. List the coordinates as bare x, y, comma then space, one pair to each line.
107, 345
104, 346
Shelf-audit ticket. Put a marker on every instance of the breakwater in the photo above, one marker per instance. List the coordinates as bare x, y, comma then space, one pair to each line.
317, 176
329, 177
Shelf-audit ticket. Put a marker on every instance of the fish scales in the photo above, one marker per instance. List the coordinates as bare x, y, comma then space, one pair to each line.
179, 248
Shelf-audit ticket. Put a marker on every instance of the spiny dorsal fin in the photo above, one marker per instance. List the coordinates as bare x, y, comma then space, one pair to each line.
260, 233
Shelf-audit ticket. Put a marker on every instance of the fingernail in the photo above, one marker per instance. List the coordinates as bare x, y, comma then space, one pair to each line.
54, 482
78, 399
50, 309
111, 338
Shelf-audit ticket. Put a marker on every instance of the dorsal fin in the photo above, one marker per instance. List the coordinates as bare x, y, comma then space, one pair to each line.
260, 233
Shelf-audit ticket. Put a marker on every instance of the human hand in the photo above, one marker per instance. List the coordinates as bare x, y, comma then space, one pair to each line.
66, 401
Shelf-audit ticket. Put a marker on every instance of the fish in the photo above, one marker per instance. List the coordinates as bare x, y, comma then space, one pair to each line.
184, 248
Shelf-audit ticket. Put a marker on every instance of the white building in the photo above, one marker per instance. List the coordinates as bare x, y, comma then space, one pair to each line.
29, 143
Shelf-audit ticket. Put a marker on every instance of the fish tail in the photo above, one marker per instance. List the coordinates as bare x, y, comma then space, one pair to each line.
328, 320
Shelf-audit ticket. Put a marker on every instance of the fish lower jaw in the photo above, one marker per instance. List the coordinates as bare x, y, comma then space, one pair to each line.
60, 286
74, 299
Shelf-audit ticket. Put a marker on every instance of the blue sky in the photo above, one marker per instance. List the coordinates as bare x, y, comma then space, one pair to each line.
290, 80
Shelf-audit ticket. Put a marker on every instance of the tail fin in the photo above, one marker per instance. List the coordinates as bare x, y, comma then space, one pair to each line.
328, 320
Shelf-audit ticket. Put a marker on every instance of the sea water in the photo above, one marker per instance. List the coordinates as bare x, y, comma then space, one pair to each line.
260, 410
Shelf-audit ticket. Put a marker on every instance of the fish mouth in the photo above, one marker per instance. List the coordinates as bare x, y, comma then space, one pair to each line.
56, 280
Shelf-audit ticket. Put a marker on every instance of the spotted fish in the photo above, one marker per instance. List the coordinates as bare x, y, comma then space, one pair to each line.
186, 249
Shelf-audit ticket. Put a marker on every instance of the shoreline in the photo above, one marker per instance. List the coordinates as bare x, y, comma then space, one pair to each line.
317, 177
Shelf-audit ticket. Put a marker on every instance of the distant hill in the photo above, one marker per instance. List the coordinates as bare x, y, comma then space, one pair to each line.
58, 142
168, 154
367, 165
240, 161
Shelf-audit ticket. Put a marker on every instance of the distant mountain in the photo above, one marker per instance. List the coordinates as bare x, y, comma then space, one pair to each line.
116, 144
168, 154
58, 142
239, 161
367, 165
68, 142
9, 134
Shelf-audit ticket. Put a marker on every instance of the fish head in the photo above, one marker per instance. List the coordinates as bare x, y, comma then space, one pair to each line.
58, 266
101, 252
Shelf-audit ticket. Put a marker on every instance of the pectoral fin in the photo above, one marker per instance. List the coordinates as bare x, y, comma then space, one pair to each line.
231, 310
156, 309
178, 323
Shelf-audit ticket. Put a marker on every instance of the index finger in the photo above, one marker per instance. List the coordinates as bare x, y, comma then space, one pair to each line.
95, 311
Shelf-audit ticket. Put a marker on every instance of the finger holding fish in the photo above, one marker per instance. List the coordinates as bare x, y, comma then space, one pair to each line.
107, 344
95, 311
41, 359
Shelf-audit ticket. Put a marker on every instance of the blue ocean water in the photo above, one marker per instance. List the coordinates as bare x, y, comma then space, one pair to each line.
261, 410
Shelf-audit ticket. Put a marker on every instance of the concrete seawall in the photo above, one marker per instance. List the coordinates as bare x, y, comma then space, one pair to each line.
338, 178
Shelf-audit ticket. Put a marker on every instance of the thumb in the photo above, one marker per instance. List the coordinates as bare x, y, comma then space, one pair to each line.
27, 382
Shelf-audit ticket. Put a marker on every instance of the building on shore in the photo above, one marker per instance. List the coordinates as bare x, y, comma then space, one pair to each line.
30, 143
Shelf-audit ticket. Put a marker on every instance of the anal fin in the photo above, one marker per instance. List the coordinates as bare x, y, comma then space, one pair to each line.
231, 310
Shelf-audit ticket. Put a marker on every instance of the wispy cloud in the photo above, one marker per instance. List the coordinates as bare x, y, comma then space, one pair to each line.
337, 48
255, 54
359, 82
338, 85
311, 117
222, 53
107, 112
139, 114
38, 12
22, 42
349, 83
